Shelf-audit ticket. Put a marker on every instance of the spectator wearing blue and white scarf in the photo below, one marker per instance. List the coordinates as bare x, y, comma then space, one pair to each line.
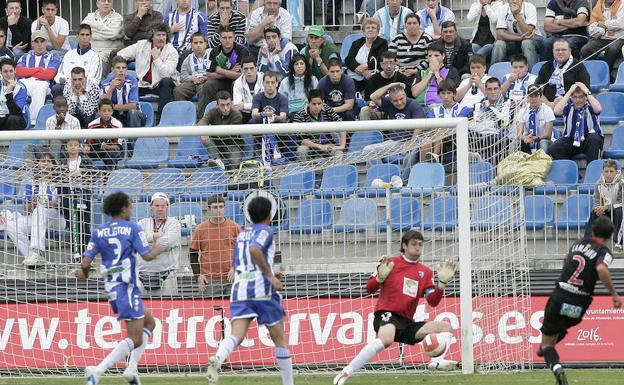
535, 123
432, 16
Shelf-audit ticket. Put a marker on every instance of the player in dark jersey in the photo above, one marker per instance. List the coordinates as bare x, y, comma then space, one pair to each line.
403, 280
587, 261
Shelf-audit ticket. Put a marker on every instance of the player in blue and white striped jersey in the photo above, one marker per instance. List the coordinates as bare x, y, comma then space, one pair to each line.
120, 242
255, 293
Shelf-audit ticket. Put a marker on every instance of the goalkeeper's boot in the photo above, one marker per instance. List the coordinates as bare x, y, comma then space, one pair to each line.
442, 365
213, 370
561, 377
131, 375
341, 378
540, 352
93, 378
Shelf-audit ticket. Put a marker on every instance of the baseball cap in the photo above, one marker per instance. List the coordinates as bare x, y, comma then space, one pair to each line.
534, 90
160, 195
316, 30
39, 34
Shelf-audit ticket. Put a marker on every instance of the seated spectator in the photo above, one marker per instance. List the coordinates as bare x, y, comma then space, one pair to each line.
211, 250
608, 195
471, 90
605, 30
18, 27
229, 148
123, 90
389, 74
427, 80
324, 144
194, 71
581, 125
107, 31
61, 120
158, 276
396, 106
183, 22
225, 67
535, 123
109, 151
13, 95
268, 15
432, 16
516, 83
392, 19
364, 58
457, 51
517, 32
567, 20
410, 47
319, 52
138, 24
36, 69
561, 74
226, 16
5, 52
338, 90
247, 86
209, 7
55, 28
483, 15
83, 96
276, 54
156, 61
81, 56
298, 83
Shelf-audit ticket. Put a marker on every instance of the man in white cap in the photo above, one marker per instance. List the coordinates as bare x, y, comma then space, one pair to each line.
159, 274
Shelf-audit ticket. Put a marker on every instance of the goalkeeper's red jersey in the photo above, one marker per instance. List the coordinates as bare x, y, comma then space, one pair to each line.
405, 285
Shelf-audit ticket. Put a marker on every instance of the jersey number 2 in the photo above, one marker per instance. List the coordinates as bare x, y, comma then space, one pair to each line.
574, 279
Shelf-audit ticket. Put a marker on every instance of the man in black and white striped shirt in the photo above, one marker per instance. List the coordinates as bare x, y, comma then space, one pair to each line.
229, 17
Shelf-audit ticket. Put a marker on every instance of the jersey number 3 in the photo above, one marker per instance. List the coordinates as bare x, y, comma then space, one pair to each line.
116, 249
574, 279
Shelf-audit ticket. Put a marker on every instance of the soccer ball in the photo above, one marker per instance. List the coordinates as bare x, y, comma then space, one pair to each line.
433, 345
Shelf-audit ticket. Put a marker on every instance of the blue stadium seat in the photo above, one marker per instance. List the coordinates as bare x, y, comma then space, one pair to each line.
361, 139
73, 41
616, 149
148, 110
383, 171
97, 216
7, 189
210, 106
592, 175
537, 67
347, 42
618, 86
499, 70
190, 153
539, 211
140, 210
563, 176
297, 185
338, 182
204, 183
234, 211
480, 174
424, 178
313, 216
178, 113
172, 178
490, 212
600, 74
404, 215
44, 113
575, 212
442, 214
180, 209
149, 153
127, 180
15, 153
612, 107
356, 215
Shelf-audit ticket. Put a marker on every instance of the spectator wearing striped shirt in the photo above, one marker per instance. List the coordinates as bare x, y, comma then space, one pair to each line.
194, 72
432, 16
364, 58
457, 51
108, 151
123, 90
516, 83
410, 47
229, 17
183, 22
276, 54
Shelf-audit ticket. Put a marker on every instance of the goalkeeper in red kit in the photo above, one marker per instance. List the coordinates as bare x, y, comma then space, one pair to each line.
402, 281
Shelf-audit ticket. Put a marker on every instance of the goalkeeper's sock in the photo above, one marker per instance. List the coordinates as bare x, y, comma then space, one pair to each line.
226, 347
364, 356
135, 355
551, 357
120, 352
448, 338
284, 362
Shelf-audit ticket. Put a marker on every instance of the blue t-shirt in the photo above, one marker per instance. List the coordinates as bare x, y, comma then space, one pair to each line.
412, 110
335, 95
249, 282
278, 104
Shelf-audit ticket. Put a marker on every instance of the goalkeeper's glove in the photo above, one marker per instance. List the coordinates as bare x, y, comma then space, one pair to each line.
446, 271
384, 268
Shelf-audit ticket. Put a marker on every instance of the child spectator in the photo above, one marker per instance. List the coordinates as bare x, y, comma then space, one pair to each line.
194, 71
426, 81
472, 90
123, 90
61, 120
108, 151
608, 201
516, 84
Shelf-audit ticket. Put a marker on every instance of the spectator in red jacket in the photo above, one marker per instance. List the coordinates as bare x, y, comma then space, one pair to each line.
109, 151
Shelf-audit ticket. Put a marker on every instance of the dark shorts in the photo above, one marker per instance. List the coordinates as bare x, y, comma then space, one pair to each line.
406, 329
563, 311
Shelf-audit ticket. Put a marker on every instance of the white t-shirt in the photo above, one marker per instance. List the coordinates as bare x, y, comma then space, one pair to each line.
283, 22
506, 19
518, 89
545, 114
60, 27
469, 99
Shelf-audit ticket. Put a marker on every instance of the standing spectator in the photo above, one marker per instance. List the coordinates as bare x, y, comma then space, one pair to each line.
226, 17
13, 96
246, 86
410, 47
457, 51
608, 195
156, 61
606, 31
427, 80
107, 31
82, 56
364, 58
194, 72
568, 20
61, 120
159, 275
535, 123
338, 90
516, 83
298, 83
183, 22
269, 15
17, 28
5, 52
36, 69
472, 90
109, 151
123, 90
517, 32
276, 54
432, 16
83, 96
392, 19
581, 125
55, 28
319, 52
211, 250
483, 14
138, 24
229, 148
